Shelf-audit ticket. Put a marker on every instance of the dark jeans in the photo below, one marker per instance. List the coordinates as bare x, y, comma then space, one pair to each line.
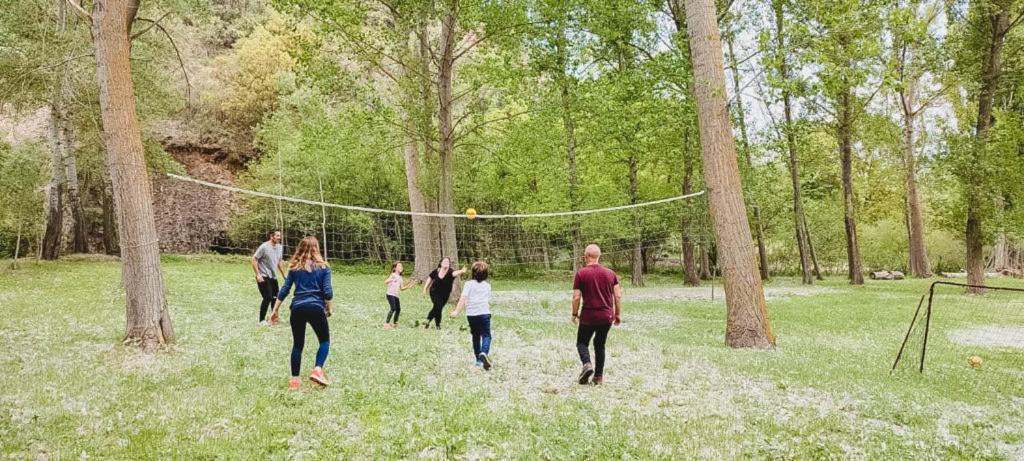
396, 309
268, 290
480, 327
600, 335
316, 317
435, 313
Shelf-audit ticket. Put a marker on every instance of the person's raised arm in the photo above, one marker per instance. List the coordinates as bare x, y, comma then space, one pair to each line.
459, 272
618, 304
388, 280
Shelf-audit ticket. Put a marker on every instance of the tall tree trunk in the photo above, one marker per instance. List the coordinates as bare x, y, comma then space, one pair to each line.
637, 276
79, 239
110, 246
810, 249
906, 224
446, 132
323, 214
1000, 252
990, 73
741, 119
917, 258
148, 322
845, 135
627, 140
428, 243
545, 252
705, 261
50, 246
691, 276
422, 235
747, 322
793, 163
382, 242
692, 273
17, 245
570, 143
55, 190
65, 130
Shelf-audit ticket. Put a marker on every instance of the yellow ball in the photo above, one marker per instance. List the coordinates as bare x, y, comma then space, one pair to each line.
470, 213
974, 360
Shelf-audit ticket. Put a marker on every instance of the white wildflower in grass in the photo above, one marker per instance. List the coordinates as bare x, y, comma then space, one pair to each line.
990, 336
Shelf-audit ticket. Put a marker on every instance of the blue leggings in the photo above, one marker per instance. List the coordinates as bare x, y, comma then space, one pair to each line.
316, 317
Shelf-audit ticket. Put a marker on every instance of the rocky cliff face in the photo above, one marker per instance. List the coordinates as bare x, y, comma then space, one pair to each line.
191, 217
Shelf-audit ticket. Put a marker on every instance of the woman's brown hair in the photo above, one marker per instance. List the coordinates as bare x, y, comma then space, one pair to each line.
307, 256
480, 271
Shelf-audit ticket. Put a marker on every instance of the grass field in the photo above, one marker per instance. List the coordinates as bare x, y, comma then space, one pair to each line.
672, 390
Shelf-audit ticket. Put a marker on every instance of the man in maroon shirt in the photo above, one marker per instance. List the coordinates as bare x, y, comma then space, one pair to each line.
602, 304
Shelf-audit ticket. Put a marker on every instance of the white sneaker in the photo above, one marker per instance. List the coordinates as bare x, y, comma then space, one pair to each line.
264, 323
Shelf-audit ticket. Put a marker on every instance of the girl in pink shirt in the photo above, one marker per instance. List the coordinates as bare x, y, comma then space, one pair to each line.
395, 287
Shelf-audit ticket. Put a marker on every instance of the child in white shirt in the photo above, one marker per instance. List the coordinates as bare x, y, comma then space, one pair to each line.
476, 299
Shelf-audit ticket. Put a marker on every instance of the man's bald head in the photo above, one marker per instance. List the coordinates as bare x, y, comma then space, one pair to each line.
592, 253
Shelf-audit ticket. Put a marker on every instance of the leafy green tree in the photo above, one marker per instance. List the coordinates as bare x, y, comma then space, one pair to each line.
844, 38
985, 30
21, 198
915, 62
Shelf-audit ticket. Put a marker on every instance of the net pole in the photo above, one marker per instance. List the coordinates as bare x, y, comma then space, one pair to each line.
323, 212
17, 246
907, 337
927, 324
279, 204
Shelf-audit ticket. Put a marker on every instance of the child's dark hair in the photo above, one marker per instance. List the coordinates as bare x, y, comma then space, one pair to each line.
480, 271
393, 266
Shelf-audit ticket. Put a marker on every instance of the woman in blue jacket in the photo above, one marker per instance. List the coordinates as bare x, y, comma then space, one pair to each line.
311, 276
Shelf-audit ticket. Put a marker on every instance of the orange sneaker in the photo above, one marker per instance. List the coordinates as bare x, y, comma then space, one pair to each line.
317, 376
294, 383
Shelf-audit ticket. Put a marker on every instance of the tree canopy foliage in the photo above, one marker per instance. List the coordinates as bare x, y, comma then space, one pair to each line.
553, 105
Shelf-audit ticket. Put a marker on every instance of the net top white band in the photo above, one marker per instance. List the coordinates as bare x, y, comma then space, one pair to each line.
435, 215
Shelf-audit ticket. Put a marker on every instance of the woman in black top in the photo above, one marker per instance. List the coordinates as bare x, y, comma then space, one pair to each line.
440, 285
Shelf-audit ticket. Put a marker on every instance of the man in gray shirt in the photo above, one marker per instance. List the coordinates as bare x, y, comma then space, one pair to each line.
264, 261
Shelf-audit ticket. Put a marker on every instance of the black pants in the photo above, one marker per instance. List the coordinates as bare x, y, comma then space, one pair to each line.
396, 309
439, 301
600, 335
268, 290
316, 317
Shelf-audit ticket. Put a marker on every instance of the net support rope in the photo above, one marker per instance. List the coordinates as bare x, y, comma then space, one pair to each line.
434, 215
